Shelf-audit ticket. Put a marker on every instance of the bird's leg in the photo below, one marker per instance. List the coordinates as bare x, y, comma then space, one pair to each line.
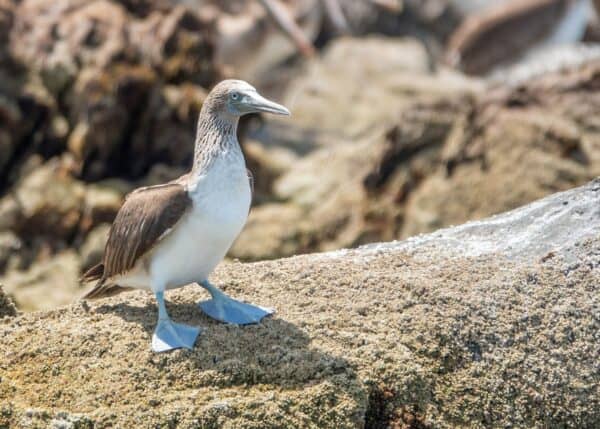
225, 309
169, 335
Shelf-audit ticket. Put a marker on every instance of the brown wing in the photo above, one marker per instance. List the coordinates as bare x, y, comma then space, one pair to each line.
502, 32
147, 215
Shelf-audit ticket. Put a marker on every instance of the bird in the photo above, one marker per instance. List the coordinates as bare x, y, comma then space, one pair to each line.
512, 30
169, 235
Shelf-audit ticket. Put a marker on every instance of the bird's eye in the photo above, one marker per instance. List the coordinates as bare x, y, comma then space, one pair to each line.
235, 96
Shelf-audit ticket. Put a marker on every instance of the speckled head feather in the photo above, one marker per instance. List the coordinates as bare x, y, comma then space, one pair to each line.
219, 116
218, 100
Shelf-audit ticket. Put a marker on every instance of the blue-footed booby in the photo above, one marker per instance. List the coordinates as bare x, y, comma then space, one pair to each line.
170, 235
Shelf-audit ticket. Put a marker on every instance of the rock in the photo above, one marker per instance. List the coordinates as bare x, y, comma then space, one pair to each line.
10, 244
494, 37
149, 123
329, 85
25, 109
272, 229
179, 43
50, 203
492, 323
161, 173
166, 129
336, 152
92, 248
9, 213
68, 36
62, 37
330, 109
549, 60
266, 163
353, 193
45, 284
102, 202
250, 44
7, 308
104, 106
103, 72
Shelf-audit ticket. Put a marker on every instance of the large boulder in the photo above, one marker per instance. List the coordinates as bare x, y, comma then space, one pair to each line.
490, 324
62, 38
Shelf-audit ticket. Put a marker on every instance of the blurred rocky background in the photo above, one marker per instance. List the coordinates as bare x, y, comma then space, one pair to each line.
407, 116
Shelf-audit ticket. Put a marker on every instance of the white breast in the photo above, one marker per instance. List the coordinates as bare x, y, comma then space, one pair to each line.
221, 201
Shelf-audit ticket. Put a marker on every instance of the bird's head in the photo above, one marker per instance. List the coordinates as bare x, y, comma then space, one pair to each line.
234, 98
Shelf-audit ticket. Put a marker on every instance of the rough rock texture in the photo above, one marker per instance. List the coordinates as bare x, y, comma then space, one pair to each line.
490, 324
7, 307
418, 161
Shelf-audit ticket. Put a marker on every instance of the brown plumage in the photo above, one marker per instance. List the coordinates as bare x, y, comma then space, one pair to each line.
147, 215
502, 33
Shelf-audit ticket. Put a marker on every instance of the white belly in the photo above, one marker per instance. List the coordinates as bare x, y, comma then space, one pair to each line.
200, 240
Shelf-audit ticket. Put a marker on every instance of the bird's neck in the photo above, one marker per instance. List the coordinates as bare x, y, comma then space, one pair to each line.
215, 135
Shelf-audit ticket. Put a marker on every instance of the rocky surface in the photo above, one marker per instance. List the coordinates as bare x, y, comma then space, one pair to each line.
490, 324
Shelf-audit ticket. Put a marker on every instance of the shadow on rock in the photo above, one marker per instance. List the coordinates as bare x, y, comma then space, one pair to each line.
273, 351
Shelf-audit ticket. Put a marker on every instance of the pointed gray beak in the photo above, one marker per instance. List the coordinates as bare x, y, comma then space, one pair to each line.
257, 103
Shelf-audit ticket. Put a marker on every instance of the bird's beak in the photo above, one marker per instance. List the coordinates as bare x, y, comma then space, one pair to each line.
258, 103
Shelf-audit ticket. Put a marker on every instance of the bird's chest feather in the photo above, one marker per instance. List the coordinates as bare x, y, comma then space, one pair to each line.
221, 197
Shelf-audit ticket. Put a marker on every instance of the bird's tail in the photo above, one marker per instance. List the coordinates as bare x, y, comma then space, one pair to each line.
94, 273
102, 289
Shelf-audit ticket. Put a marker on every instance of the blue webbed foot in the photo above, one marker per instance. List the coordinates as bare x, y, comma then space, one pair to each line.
169, 335
228, 310
231, 311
